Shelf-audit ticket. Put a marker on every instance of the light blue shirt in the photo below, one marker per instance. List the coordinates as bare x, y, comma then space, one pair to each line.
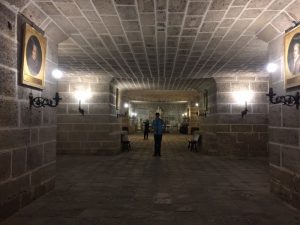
158, 126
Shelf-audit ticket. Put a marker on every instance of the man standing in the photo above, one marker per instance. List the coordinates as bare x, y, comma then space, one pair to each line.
158, 127
146, 129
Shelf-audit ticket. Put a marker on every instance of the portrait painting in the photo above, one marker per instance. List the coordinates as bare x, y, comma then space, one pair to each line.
34, 53
205, 100
292, 58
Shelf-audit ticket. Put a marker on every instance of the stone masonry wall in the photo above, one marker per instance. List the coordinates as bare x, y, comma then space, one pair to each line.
227, 133
27, 138
284, 128
98, 131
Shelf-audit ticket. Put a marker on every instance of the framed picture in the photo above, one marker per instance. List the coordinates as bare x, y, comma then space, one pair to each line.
34, 54
292, 58
117, 98
205, 100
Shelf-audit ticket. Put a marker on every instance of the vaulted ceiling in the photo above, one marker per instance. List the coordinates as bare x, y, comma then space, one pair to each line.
171, 44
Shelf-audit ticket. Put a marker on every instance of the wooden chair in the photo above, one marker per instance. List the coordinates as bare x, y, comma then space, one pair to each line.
194, 142
125, 143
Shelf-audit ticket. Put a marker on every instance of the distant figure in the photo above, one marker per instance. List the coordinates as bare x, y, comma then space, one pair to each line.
146, 129
296, 59
34, 56
158, 127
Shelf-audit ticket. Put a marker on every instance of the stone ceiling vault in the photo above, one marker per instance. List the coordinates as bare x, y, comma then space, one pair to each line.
167, 44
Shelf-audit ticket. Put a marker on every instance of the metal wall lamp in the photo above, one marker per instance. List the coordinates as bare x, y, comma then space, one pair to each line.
119, 115
243, 97
288, 100
81, 110
39, 102
203, 114
244, 112
82, 94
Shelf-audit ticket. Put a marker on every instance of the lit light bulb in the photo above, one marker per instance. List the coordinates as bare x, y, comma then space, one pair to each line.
126, 105
243, 96
83, 95
196, 104
272, 67
57, 74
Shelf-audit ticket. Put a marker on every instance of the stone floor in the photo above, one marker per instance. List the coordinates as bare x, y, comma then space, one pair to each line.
179, 188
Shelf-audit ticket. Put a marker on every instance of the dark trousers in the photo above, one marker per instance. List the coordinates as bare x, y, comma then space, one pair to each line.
157, 143
146, 134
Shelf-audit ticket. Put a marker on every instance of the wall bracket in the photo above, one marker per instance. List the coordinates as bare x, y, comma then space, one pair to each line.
39, 102
289, 100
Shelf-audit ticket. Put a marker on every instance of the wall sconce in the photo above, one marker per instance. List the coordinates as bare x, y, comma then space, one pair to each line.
243, 97
126, 106
121, 115
288, 100
81, 110
39, 102
203, 114
82, 96
133, 114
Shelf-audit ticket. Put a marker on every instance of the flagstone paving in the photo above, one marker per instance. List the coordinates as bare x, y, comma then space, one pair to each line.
178, 188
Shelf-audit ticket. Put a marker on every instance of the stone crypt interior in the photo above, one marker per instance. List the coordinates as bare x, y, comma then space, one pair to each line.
201, 63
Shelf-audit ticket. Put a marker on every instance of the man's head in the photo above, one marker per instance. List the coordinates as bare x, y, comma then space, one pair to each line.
157, 115
34, 52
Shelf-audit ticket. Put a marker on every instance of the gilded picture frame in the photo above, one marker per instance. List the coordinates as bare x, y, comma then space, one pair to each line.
292, 58
33, 58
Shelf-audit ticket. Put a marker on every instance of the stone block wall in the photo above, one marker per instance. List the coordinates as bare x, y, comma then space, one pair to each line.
226, 132
284, 130
27, 137
98, 131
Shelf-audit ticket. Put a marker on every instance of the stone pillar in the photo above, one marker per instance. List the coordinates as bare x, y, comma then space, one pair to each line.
98, 130
284, 128
28, 137
229, 133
